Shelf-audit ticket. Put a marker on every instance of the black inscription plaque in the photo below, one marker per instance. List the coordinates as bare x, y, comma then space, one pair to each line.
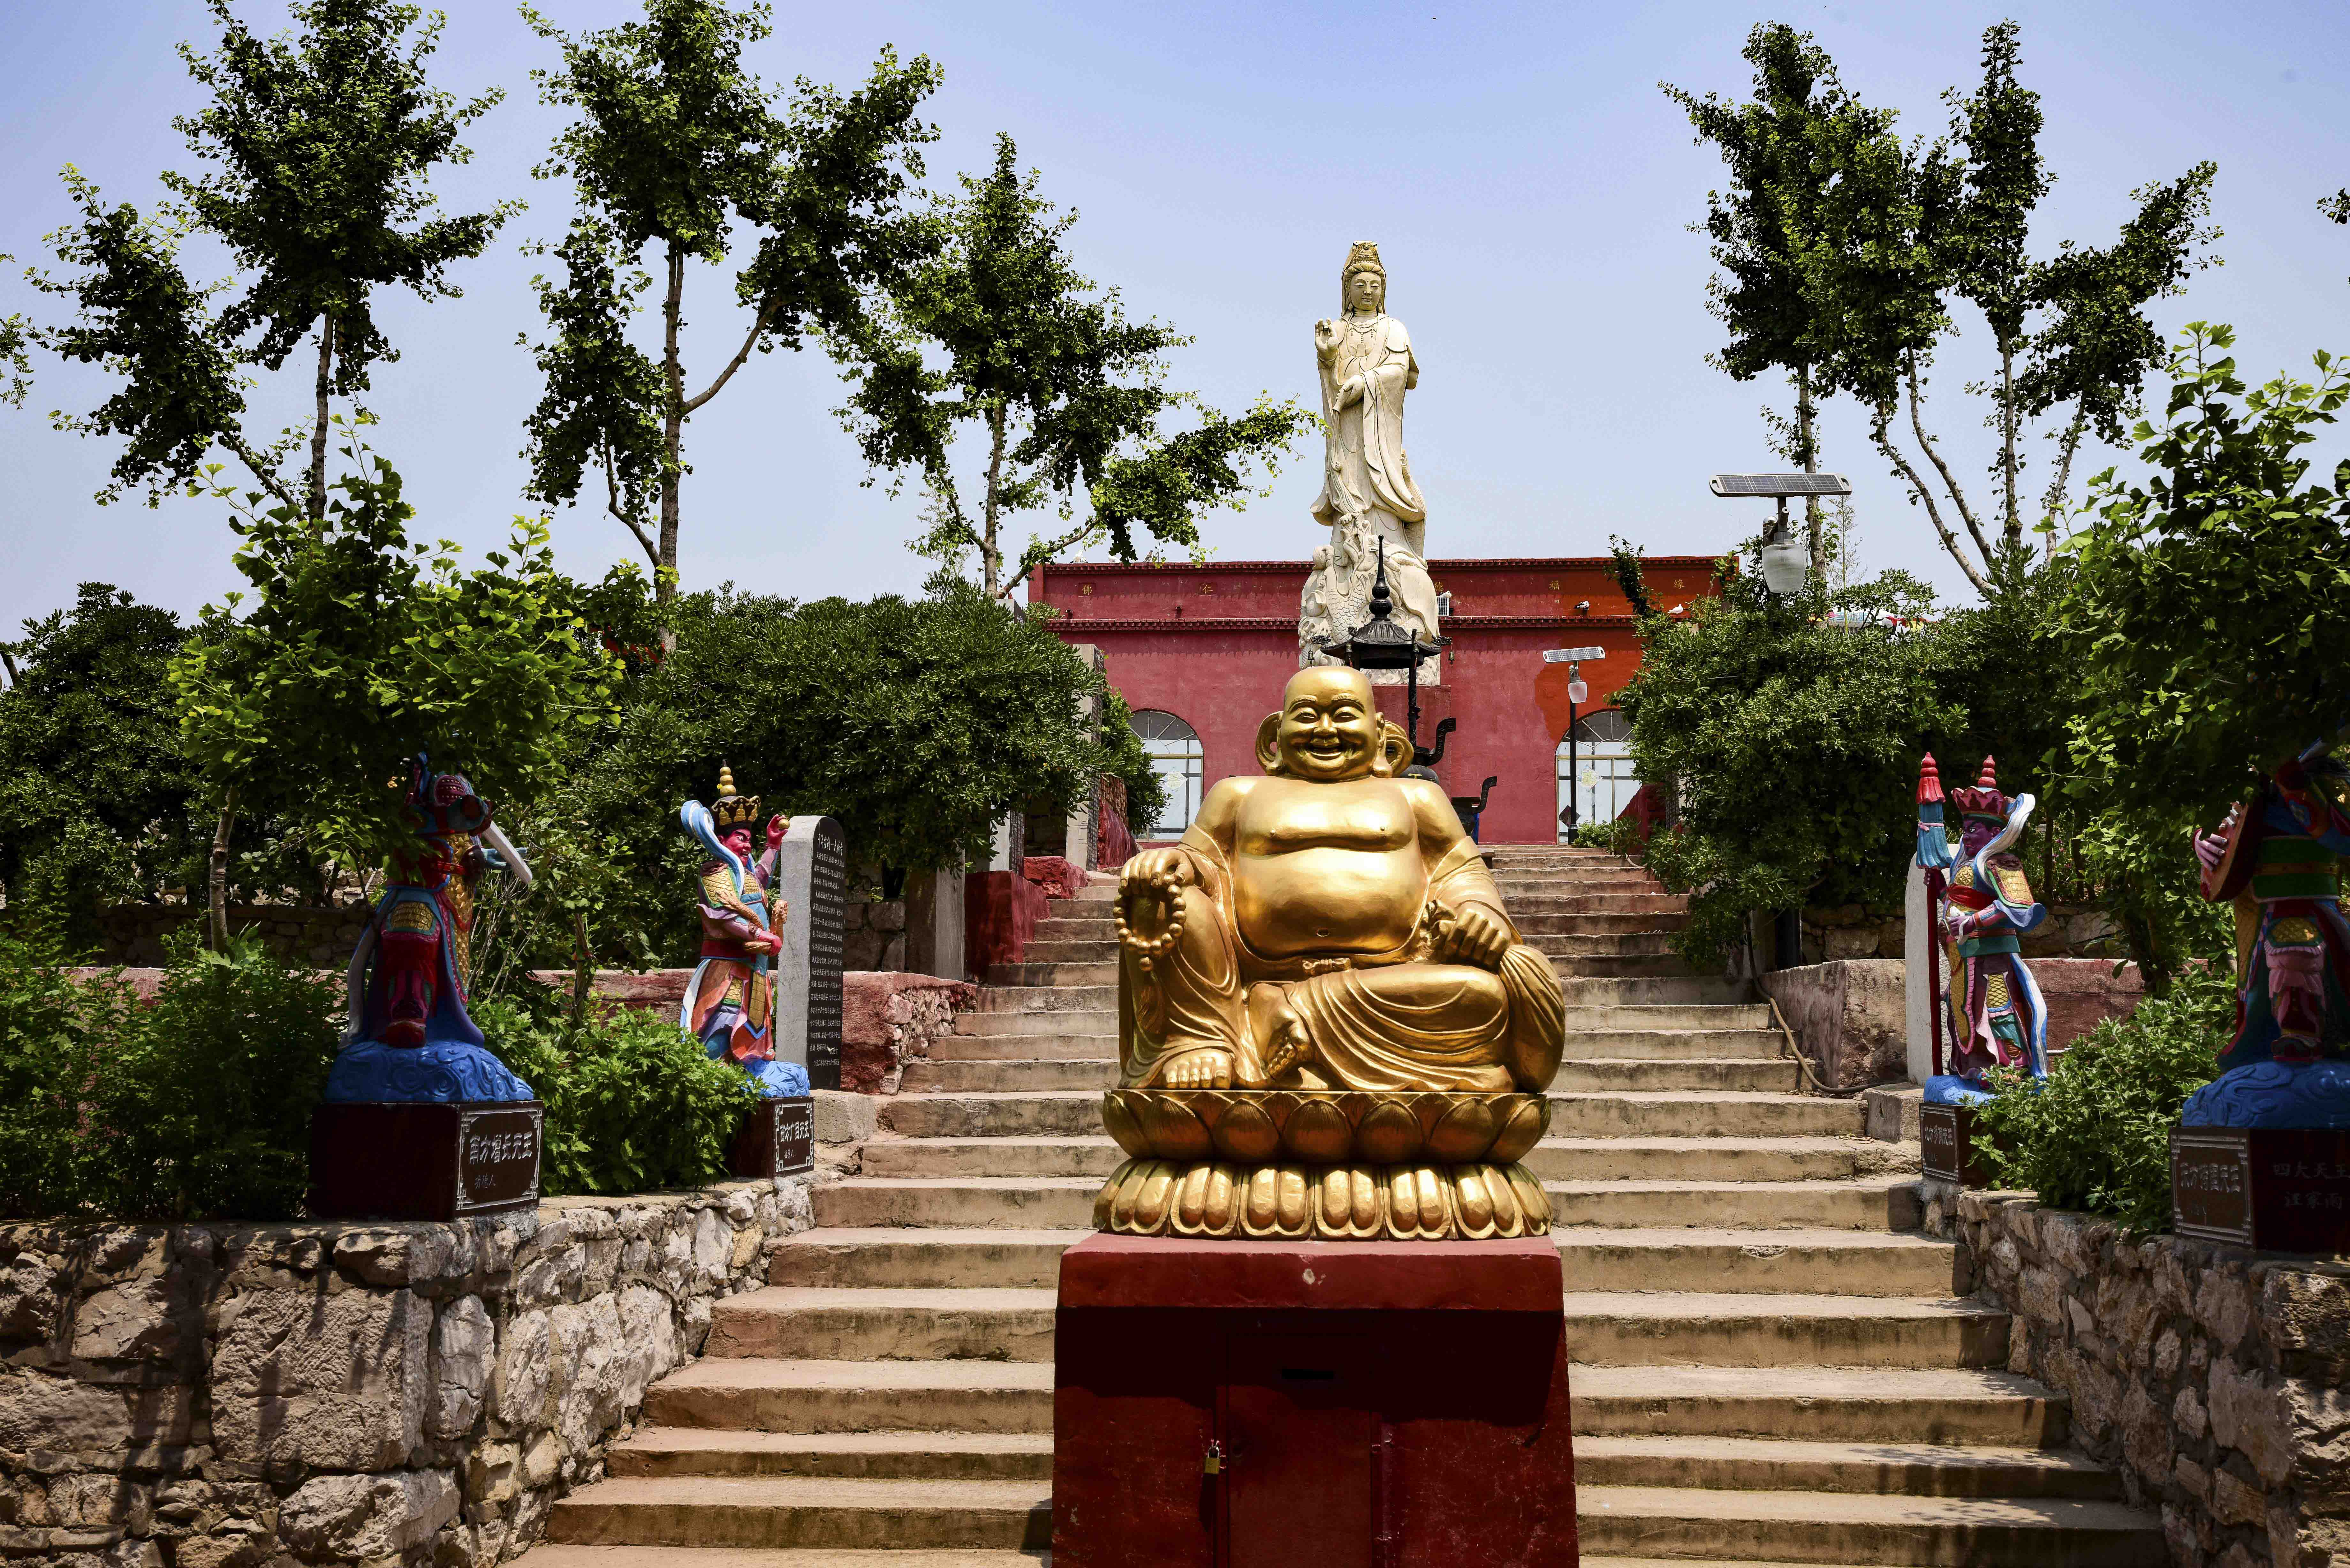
1946, 1138
777, 1139
2281, 1189
424, 1161
827, 905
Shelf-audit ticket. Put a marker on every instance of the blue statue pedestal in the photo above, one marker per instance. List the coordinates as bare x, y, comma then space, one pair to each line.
447, 1160
2279, 1190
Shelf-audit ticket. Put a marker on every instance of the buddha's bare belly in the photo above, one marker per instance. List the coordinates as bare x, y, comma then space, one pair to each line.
1329, 900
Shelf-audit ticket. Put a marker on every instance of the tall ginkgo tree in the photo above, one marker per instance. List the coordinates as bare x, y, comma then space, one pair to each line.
680, 155
320, 143
995, 333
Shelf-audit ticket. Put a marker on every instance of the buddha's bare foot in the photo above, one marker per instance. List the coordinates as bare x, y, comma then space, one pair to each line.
1208, 1067
1280, 1030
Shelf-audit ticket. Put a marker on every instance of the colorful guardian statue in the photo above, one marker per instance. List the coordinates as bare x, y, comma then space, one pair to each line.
730, 1001
1994, 1017
410, 1037
1328, 1025
2278, 858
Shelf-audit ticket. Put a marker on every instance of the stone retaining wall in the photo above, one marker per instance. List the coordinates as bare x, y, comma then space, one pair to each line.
2216, 1380
1858, 932
229, 1396
323, 935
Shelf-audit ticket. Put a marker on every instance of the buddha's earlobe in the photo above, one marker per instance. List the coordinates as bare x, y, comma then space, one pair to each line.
1268, 745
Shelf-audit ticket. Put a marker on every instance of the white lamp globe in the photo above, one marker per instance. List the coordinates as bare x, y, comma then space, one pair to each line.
1578, 692
1786, 562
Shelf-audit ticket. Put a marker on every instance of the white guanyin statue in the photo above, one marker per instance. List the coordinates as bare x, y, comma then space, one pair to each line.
1367, 366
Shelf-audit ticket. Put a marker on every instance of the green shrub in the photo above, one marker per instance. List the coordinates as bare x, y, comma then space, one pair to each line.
57, 1063
632, 1102
2096, 1135
1618, 834
226, 1066
197, 1108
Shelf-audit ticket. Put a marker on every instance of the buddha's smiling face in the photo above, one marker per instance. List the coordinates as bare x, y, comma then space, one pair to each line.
1365, 292
1329, 725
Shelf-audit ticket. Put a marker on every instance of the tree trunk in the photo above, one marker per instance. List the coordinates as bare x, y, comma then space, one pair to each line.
220, 872
583, 970
1805, 413
2013, 525
2053, 502
672, 416
319, 429
990, 552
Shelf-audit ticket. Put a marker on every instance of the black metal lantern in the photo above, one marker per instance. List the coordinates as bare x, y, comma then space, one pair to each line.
1383, 643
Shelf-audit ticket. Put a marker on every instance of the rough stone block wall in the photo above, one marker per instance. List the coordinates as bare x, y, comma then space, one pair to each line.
234, 1396
297, 933
2216, 1380
1858, 931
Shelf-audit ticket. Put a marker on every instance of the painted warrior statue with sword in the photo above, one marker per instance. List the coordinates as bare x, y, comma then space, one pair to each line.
1994, 1015
410, 1037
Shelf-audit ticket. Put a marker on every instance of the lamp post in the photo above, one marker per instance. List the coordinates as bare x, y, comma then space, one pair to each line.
1786, 556
1380, 643
1577, 693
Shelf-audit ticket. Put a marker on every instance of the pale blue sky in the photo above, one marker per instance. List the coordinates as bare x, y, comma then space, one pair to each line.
1528, 186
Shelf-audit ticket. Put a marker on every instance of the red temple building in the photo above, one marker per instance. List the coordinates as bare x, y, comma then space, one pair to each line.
1201, 654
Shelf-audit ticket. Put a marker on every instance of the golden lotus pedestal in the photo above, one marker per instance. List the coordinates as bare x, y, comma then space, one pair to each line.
1271, 1164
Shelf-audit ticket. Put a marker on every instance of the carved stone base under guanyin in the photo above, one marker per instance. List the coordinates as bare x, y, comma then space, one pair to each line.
1341, 1166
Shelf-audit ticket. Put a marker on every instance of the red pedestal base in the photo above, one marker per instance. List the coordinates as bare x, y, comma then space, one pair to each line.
1311, 1404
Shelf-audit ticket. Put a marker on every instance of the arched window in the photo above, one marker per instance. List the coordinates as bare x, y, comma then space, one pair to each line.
1603, 782
1175, 755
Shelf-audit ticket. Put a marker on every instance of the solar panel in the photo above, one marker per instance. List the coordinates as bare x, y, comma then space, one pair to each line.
1769, 484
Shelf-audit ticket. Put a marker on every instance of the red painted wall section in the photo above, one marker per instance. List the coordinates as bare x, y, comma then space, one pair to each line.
1214, 645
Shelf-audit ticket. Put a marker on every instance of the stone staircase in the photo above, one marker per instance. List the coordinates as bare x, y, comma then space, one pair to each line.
1771, 1364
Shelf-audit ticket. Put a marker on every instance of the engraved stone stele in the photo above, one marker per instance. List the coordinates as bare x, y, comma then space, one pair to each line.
1366, 364
1327, 1024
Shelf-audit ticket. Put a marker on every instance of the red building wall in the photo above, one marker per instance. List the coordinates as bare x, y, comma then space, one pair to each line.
1214, 644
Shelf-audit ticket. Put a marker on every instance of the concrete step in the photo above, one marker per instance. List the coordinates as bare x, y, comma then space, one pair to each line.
554, 1554
1050, 1202
1058, 976
993, 1116
1792, 1262
884, 1323
1813, 1527
1100, 949
1691, 1329
761, 1395
871, 1456
1594, 1258
1558, 1158
950, 1078
1750, 1464
1692, 1113
1102, 891
1028, 1047
1532, 922
1945, 1406
1602, 1328
1652, 990
963, 1202
1095, 927
1073, 1021
1581, 1074
1667, 1045
1643, 966
962, 1158
892, 1257
790, 1511
1646, 942
1635, 1018
1884, 1202
1527, 905
1047, 997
